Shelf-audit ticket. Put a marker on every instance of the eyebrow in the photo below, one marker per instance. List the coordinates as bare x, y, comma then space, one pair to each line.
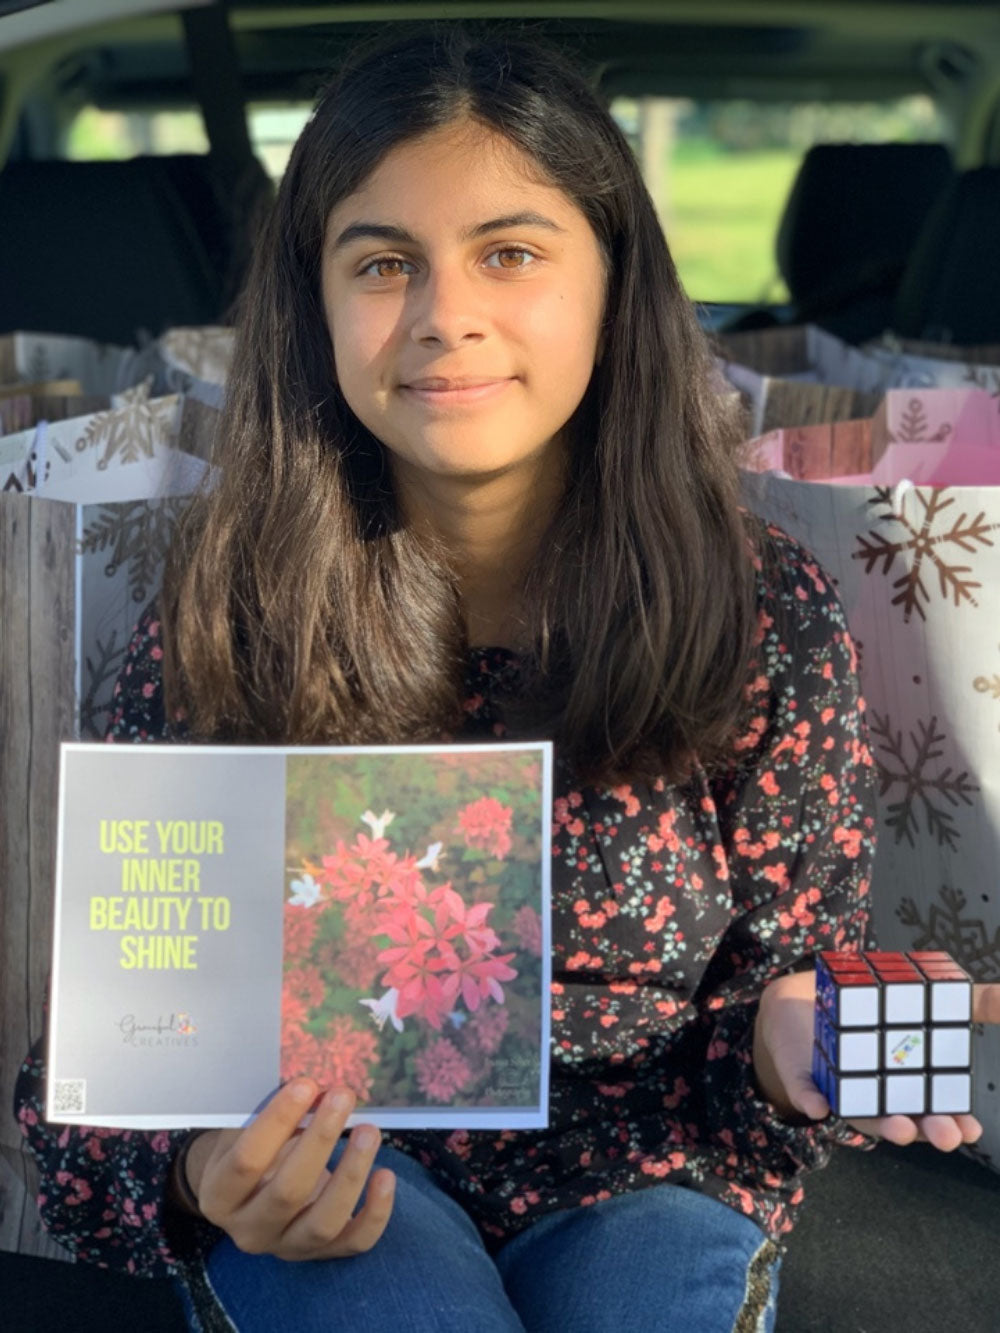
379, 231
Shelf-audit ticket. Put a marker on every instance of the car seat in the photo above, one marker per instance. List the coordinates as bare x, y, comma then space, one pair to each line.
849, 224
852, 217
950, 291
106, 249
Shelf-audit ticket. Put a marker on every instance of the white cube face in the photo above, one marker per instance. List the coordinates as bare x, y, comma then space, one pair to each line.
859, 1050
905, 1094
951, 1094
858, 1006
904, 1002
858, 1096
951, 1002
951, 1048
905, 1048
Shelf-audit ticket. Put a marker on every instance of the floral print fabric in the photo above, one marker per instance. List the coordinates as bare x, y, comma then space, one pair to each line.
672, 907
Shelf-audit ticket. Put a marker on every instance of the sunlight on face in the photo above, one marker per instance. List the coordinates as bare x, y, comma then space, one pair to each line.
464, 299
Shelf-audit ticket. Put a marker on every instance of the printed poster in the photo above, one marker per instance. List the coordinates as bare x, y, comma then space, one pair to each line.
229, 917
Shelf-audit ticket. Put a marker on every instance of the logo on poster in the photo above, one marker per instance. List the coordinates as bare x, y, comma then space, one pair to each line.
178, 1029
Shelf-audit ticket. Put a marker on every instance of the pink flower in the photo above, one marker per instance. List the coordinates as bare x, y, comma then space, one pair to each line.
488, 1028
442, 1070
478, 978
294, 1010
305, 984
355, 960
486, 824
528, 929
347, 1054
300, 1053
301, 924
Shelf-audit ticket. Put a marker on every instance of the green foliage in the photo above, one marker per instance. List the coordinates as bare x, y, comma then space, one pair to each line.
722, 212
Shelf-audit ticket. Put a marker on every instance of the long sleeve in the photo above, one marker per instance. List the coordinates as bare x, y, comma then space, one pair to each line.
799, 828
672, 907
103, 1191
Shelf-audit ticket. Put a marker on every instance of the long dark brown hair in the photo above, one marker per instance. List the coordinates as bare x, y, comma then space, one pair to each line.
298, 608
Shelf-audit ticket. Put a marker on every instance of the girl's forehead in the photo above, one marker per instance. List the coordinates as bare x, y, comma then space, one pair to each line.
471, 162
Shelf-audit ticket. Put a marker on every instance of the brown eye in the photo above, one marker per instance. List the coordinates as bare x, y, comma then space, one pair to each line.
511, 258
388, 268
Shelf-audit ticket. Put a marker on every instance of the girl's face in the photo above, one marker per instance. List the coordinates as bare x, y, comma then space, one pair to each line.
464, 300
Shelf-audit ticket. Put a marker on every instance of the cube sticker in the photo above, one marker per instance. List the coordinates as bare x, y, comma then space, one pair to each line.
893, 1033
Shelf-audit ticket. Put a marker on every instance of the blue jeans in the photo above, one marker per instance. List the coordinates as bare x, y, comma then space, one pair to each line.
661, 1260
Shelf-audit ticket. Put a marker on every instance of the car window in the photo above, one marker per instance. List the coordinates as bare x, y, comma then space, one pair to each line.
720, 173
96, 134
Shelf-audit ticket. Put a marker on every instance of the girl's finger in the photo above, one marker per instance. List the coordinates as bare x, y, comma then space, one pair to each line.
232, 1176
365, 1228
301, 1172
944, 1132
898, 1129
941, 1132
948, 1132
971, 1128
328, 1217
986, 1004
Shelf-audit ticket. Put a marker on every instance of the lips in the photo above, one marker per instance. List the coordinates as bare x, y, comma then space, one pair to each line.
466, 390
439, 384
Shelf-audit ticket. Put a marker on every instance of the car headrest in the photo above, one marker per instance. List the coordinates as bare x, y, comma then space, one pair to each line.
854, 213
950, 291
104, 249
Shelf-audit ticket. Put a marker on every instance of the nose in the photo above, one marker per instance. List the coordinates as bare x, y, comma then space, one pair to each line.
448, 310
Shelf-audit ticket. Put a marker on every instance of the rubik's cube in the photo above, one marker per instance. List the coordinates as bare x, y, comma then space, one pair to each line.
893, 1033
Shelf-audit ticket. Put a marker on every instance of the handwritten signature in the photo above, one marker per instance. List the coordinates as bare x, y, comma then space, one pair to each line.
130, 1029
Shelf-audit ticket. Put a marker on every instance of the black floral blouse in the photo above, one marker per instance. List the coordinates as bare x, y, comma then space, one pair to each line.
671, 909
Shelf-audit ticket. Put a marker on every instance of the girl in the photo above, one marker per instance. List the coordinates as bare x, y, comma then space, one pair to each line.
475, 481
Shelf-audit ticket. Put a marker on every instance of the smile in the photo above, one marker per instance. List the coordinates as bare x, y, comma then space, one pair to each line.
454, 393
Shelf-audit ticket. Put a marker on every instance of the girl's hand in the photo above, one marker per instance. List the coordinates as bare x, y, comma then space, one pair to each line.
268, 1185
783, 1039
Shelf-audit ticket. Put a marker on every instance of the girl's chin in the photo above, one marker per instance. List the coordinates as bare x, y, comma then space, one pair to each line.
468, 461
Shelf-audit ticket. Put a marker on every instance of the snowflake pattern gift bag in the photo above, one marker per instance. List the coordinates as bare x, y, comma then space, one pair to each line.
917, 564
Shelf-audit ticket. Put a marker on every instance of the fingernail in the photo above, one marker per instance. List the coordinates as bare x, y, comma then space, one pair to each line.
301, 1092
384, 1185
366, 1138
339, 1102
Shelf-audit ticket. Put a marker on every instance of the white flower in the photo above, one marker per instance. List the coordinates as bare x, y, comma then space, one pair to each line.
305, 892
377, 823
385, 1008
429, 860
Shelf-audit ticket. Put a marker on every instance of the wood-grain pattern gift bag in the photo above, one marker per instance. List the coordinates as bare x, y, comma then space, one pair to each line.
83, 534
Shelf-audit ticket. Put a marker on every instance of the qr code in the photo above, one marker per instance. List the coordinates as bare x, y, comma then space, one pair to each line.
70, 1096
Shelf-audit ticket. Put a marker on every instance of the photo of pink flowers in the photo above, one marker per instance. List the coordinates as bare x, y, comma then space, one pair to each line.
413, 925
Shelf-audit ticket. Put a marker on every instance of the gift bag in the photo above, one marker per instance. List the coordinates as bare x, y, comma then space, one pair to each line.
97, 368
196, 361
83, 536
912, 540
937, 365
799, 376
22, 410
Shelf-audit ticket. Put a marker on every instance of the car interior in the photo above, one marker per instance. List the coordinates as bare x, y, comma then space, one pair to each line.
140, 146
